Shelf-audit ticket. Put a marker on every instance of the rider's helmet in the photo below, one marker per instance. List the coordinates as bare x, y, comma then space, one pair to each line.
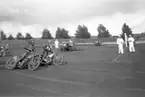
32, 41
48, 42
44, 46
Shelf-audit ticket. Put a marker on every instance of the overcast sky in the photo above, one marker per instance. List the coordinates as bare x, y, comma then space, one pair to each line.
35, 15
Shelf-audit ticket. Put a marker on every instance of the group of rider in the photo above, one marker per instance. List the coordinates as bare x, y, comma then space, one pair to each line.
47, 48
68, 44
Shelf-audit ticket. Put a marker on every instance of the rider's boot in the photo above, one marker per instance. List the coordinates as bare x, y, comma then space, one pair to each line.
41, 56
20, 60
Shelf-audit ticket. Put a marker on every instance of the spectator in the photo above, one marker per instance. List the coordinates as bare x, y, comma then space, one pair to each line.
56, 44
131, 41
120, 43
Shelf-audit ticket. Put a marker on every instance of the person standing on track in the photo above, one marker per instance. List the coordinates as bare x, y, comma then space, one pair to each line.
71, 43
56, 44
120, 43
131, 41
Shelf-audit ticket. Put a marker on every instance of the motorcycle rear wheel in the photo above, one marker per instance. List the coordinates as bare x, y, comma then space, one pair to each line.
11, 63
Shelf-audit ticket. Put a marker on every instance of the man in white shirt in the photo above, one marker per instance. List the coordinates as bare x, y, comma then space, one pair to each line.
56, 44
120, 43
131, 44
71, 43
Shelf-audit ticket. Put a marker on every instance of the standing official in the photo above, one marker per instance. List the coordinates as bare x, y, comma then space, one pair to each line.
131, 44
120, 43
56, 44
70, 43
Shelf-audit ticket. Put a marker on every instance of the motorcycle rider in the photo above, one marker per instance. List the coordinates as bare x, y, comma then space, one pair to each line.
28, 49
47, 50
71, 44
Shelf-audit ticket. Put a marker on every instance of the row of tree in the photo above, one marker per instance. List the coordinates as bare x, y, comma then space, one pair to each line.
19, 36
61, 33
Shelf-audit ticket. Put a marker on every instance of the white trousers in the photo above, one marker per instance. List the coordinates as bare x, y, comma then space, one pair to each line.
131, 47
120, 49
56, 46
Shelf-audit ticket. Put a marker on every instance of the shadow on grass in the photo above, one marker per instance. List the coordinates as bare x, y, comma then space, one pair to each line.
43, 66
64, 63
2, 62
79, 49
2, 68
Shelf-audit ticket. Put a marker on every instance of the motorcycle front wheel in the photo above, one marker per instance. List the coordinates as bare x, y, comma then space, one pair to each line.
34, 63
57, 60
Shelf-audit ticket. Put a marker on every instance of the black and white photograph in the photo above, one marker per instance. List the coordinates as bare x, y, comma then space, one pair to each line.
72, 48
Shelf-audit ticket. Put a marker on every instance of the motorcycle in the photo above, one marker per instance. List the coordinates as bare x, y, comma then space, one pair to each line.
14, 62
67, 47
51, 59
97, 43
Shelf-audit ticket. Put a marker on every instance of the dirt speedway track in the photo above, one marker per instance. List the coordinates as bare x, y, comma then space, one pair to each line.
92, 72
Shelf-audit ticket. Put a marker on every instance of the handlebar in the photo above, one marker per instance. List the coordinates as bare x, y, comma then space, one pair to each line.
27, 49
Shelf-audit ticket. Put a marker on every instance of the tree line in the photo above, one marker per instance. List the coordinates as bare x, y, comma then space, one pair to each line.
61, 33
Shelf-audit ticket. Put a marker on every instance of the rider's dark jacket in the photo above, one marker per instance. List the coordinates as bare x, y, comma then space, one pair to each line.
47, 48
30, 47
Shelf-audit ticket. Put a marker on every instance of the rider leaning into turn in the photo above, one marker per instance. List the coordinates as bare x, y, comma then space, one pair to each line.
47, 49
29, 48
